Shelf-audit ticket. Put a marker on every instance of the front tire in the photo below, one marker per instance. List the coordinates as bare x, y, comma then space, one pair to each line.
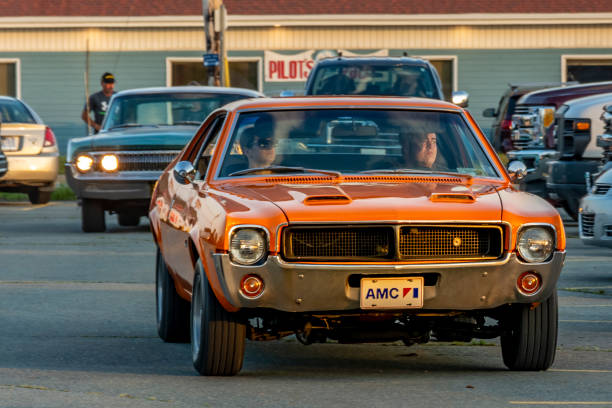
92, 216
530, 339
217, 336
172, 311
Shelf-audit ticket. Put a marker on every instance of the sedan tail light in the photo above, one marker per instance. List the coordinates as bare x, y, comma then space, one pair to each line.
49, 137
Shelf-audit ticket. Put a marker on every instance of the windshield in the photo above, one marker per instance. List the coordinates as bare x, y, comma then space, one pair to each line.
14, 112
353, 141
165, 109
366, 79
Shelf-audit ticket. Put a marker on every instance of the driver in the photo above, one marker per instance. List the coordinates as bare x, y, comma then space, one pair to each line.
258, 144
419, 149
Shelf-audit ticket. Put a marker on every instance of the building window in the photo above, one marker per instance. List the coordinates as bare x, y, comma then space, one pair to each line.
243, 72
447, 69
9, 78
586, 68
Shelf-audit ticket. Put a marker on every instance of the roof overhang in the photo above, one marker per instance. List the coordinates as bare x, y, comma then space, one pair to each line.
312, 20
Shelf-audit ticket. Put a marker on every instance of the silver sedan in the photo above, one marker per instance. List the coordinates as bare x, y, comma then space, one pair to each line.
31, 151
595, 220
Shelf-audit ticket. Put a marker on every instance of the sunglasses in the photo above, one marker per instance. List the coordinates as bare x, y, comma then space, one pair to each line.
266, 143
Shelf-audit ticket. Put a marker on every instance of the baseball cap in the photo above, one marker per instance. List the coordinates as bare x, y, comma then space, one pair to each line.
108, 78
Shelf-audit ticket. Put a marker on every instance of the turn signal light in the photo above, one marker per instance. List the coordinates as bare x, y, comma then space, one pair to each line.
251, 286
582, 125
529, 283
49, 138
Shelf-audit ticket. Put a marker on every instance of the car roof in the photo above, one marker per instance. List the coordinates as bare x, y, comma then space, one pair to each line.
191, 89
372, 60
334, 102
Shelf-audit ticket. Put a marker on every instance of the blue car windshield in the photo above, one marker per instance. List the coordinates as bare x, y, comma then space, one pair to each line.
369, 79
354, 141
164, 109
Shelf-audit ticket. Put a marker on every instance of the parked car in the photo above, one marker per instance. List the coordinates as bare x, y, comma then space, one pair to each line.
501, 129
595, 222
31, 151
116, 169
577, 123
533, 135
265, 229
379, 76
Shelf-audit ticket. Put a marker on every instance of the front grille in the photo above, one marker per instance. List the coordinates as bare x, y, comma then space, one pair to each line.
142, 161
392, 243
339, 243
436, 242
608, 230
601, 188
587, 224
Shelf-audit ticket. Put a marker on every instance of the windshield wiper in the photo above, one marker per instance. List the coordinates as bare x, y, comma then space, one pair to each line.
128, 125
285, 169
415, 171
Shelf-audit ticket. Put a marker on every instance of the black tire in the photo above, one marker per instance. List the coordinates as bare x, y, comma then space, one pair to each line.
38, 196
172, 311
571, 208
217, 336
92, 216
127, 219
529, 341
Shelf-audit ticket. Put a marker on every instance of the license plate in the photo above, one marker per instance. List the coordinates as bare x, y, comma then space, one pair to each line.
10, 143
391, 293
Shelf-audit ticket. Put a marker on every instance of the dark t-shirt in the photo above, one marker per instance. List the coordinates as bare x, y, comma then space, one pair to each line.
98, 104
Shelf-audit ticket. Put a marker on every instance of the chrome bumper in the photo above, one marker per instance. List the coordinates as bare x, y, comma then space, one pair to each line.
325, 287
31, 170
133, 185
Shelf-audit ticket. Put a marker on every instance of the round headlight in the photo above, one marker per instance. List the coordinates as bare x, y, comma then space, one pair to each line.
84, 163
247, 246
535, 244
109, 162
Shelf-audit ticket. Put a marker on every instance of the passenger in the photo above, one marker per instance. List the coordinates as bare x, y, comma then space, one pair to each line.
258, 144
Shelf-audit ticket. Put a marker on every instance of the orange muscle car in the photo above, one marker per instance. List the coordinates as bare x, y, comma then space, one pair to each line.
353, 219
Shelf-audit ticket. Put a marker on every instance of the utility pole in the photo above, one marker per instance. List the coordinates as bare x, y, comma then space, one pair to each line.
213, 12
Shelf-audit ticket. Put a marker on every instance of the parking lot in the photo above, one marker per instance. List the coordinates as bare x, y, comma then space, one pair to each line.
78, 329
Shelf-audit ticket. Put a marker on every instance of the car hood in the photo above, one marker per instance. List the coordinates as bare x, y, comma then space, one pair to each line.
146, 138
378, 202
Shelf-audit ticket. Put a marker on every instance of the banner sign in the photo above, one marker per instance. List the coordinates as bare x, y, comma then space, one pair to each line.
296, 67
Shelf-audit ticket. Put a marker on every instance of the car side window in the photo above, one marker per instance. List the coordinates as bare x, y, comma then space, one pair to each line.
208, 147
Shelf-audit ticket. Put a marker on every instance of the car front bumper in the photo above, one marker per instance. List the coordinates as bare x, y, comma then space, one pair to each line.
292, 287
132, 185
36, 170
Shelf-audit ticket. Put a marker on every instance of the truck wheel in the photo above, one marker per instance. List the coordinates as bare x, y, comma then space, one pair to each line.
571, 208
127, 219
39, 196
172, 311
530, 336
217, 336
92, 216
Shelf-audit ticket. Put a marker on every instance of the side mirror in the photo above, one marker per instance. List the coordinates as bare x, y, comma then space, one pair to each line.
489, 113
460, 98
517, 170
184, 172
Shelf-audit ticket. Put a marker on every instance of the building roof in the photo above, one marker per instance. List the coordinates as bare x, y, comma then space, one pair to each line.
141, 8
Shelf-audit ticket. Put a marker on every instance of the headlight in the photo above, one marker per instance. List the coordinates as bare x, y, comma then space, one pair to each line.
109, 162
84, 163
247, 246
535, 244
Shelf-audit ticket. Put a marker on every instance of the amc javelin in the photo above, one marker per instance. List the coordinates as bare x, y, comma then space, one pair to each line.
114, 171
353, 219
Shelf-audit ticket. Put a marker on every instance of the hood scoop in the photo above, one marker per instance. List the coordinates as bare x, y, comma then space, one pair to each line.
327, 200
453, 198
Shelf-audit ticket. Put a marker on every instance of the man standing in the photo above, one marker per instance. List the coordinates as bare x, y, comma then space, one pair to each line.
98, 102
